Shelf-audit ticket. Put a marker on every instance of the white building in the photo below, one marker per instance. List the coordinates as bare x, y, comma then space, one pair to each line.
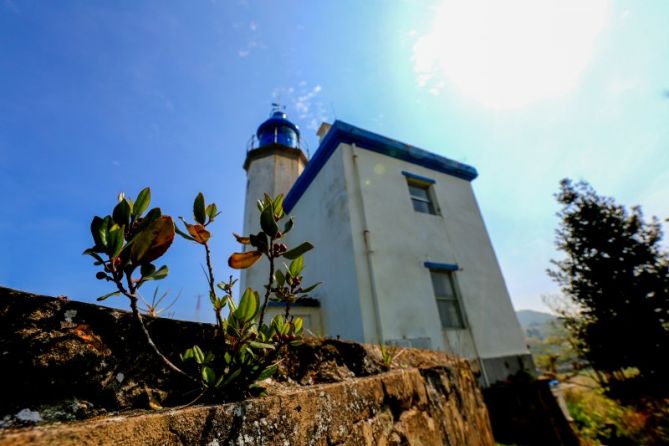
401, 247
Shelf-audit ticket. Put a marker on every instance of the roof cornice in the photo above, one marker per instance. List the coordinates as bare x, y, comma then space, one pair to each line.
341, 132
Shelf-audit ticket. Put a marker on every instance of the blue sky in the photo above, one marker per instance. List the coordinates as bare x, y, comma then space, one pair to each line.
98, 98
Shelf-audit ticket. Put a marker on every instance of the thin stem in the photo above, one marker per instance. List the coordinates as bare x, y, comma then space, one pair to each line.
287, 310
270, 280
131, 294
212, 290
197, 398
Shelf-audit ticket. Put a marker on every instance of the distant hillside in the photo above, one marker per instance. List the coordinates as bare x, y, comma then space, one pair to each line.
536, 324
531, 317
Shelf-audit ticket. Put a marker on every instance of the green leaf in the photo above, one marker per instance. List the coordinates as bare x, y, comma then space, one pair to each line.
147, 269
99, 235
259, 241
256, 344
297, 325
230, 378
296, 266
311, 288
162, 272
269, 371
278, 323
278, 206
199, 209
183, 234
288, 226
115, 240
114, 293
198, 354
142, 202
248, 306
212, 212
95, 255
101, 231
188, 354
208, 375
298, 251
152, 215
121, 214
280, 278
267, 222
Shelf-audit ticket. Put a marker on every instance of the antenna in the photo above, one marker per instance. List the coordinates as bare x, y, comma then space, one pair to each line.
276, 106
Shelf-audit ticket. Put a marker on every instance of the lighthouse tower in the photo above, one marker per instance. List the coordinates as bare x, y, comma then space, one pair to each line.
273, 163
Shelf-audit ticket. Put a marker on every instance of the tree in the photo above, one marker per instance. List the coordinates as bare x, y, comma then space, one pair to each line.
616, 274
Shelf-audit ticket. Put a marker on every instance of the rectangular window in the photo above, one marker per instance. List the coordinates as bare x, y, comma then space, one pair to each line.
448, 303
420, 191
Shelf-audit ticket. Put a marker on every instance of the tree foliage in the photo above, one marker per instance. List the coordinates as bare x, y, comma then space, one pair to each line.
616, 275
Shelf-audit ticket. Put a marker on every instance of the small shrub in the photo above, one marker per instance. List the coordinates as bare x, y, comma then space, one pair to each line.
601, 420
245, 348
389, 352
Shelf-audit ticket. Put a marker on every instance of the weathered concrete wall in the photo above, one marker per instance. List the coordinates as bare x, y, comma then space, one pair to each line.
433, 406
64, 360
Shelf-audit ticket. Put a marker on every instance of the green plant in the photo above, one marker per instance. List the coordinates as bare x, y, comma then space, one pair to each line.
129, 240
242, 361
154, 308
246, 353
267, 242
244, 350
389, 352
204, 215
601, 420
614, 276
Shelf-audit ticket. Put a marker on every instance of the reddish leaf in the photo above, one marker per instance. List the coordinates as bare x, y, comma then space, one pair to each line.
243, 260
241, 239
153, 241
198, 232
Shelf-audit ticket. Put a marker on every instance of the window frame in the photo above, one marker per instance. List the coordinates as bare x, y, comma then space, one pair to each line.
425, 184
448, 271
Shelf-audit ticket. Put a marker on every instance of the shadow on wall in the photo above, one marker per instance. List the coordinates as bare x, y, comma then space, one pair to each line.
528, 413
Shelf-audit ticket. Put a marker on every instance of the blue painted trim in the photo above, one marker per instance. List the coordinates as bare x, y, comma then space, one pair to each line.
441, 266
340, 132
422, 179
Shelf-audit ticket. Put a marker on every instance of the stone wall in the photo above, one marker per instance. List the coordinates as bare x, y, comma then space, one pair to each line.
428, 398
434, 406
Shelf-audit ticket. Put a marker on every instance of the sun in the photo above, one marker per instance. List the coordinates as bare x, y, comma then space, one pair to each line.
509, 54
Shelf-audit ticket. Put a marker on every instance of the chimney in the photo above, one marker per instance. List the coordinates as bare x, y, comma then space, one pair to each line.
323, 130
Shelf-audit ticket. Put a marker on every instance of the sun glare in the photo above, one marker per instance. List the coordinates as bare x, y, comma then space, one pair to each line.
508, 54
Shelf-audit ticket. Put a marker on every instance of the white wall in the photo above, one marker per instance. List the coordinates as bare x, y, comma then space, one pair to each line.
322, 217
402, 240
370, 252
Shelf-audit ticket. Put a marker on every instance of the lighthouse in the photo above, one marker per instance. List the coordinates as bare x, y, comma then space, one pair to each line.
273, 162
402, 251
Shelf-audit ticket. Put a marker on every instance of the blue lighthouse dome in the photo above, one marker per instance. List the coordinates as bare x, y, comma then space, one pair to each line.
278, 130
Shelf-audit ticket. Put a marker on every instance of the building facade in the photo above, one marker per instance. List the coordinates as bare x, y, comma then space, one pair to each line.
401, 247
